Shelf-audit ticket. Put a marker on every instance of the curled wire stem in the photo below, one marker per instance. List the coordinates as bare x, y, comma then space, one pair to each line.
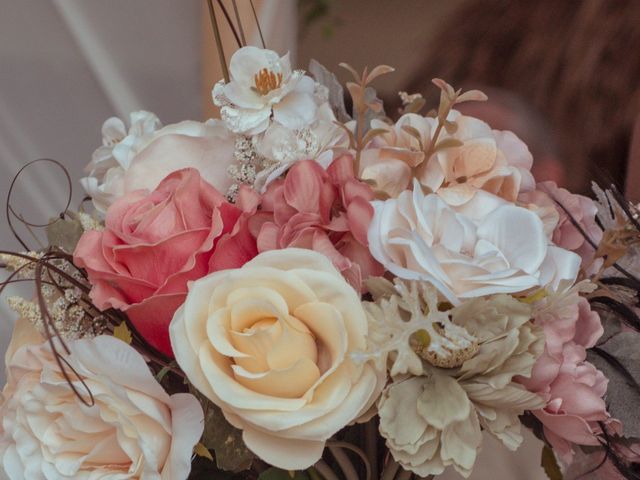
12, 214
390, 470
334, 445
346, 466
53, 268
325, 470
63, 364
255, 16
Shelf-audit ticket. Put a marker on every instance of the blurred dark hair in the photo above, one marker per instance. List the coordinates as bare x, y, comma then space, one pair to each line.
577, 62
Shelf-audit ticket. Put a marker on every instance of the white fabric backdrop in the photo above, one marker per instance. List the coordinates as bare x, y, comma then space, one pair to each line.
66, 66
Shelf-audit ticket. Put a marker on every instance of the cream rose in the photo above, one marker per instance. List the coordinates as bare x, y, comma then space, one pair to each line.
135, 430
270, 344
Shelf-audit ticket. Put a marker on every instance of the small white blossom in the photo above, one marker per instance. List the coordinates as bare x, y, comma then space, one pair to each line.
262, 84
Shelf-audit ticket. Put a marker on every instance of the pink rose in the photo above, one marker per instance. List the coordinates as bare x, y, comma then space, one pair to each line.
565, 234
572, 387
154, 243
326, 211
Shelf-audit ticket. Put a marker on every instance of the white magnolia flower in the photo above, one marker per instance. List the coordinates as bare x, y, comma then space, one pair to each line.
135, 430
262, 84
141, 158
492, 247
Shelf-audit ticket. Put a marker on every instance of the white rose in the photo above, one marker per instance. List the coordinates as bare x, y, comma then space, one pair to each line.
135, 430
494, 247
270, 344
144, 156
261, 84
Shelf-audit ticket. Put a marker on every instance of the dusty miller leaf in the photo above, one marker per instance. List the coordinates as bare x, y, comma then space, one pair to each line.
231, 454
64, 233
550, 464
336, 93
622, 398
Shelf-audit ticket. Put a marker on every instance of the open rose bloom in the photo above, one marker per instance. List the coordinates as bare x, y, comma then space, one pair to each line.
152, 245
134, 429
255, 295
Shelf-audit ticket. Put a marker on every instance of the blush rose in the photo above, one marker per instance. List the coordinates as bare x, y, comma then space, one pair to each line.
134, 430
154, 243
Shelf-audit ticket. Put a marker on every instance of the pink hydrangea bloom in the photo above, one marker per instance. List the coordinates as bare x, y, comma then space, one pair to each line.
572, 387
326, 211
565, 234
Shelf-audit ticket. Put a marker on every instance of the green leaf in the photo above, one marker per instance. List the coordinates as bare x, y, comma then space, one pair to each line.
277, 474
231, 454
448, 143
550, 464
64, 233
415, 106
122, 332
202, 451
371, 134
415, 133
450, 127
378, 71
313, 474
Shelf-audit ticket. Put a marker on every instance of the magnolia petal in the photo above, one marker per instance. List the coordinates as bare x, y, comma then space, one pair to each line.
295, 111
248, 61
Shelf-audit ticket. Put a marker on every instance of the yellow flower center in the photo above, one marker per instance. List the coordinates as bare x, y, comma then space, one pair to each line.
266, 81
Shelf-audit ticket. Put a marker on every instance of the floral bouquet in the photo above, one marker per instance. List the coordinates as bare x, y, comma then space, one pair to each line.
294, 291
